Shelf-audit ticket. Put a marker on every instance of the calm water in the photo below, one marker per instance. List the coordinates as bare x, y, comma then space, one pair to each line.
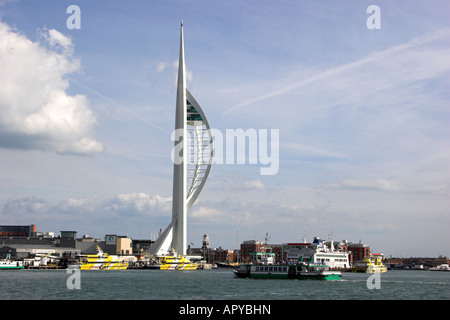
219, 284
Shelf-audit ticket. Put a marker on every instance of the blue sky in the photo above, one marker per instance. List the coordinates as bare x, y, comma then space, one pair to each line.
86, 118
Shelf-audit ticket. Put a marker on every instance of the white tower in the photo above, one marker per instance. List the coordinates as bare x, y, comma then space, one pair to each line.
193, 154
205, 241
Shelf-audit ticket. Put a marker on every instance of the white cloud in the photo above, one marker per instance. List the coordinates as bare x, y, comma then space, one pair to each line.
55, 38
138, 203
35, 110
378, 184
254, 184
388, 185
205, 212
162, 66
126, 204
189, 76
237, 183
83, 213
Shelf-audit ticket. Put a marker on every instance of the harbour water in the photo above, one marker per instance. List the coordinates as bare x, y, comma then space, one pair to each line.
220, 284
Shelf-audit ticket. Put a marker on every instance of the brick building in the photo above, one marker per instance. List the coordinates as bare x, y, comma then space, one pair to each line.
250, 246
358, 251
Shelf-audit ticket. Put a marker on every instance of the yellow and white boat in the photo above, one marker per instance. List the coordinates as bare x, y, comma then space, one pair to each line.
370, 265
172, 262
102, 261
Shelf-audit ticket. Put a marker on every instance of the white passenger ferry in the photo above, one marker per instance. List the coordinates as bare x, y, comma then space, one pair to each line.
321, 252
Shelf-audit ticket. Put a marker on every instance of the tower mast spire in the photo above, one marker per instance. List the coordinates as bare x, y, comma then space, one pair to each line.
192, 139
179, 241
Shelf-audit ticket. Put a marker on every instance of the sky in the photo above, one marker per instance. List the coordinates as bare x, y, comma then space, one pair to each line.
86, 116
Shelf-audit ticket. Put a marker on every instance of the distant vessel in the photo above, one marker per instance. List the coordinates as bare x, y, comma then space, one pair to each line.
302, 271
329, 253
101, 261
172, 262
370, 265
7, 263
227, 265
442, 267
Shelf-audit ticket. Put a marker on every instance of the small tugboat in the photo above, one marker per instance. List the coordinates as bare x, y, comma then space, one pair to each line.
370, 265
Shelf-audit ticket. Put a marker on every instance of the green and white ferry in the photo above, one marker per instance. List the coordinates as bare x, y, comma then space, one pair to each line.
7, 263
300, 270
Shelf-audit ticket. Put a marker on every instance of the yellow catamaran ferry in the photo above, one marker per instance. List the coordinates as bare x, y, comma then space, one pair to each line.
172, 261
101, 261
370, 265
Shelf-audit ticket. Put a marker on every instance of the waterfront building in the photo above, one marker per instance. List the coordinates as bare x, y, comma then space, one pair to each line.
192, 157
68, 239
212, 255
17, 231
359, 251
42, 248
223, 255
251, 246
319, 252
140, 246
118, 245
